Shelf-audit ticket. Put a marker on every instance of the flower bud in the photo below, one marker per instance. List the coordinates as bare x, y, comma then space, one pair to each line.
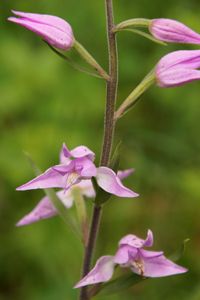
178, 68
55, 31
172, 31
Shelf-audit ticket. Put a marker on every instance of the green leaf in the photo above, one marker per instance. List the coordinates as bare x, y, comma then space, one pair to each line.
180, 252
114, 164
118, 285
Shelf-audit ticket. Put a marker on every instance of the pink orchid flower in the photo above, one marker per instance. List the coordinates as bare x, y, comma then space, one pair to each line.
178, 68
45, 209
172, 31
77, 165
54, 30
130, 254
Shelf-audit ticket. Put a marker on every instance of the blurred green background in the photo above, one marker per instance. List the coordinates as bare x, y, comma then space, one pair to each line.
44, 103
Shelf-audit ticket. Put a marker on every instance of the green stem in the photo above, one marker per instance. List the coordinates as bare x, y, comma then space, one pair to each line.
109, 125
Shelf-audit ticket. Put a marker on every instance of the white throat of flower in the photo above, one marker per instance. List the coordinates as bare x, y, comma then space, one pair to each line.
138, 264
71, 179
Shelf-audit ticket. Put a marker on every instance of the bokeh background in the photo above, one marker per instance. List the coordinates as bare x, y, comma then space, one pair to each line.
44, 103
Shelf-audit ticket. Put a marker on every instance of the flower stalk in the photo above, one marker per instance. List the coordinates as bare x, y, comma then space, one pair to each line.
109, 125
134, 96
90, 60
138, 22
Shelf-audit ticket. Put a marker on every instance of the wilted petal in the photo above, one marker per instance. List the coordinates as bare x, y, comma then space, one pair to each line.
110, 182
54, 30
125, 173
136, 242
172, 31
160, 266
49, 179
102, 272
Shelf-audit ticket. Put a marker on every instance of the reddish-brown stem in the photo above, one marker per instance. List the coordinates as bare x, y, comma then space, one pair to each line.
109, 126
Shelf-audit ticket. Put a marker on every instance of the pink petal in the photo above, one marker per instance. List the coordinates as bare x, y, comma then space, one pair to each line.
150, 254
125, 173
110, 182
82, 151
124, 253
168, 30
64, 169
177, 76
86, 167
45, 19
134, 241
65, 155
102, 272
51, 34
45, 209
149, 239
182, 58
49, 179
160, 266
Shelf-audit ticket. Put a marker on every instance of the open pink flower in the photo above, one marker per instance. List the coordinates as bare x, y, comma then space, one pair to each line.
130, 254
178, 68
45, 209
77, 165
56, 31
172, 31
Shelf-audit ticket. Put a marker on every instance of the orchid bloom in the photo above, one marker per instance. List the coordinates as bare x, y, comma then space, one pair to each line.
131, 254
172, 31
77, 165
45, 209
178, 68
54, 30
